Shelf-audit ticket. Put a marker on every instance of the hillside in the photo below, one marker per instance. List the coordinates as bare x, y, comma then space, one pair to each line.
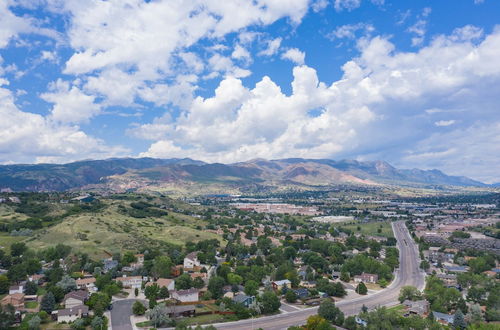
186, 176
109, 224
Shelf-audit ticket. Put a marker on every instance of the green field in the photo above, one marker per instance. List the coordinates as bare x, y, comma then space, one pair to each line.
113, 231
6, 241
370, 228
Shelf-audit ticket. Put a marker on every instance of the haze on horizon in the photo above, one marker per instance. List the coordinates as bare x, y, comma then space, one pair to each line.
413, 83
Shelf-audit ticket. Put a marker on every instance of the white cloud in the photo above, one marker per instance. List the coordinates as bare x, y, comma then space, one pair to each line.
346, 4
71, 105
273, 46
381, 90
10, 24
444, 123
241, 53
30, 137
294, 55
349, 31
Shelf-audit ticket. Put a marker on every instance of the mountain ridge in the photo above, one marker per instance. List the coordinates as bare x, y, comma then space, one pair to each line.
141, 173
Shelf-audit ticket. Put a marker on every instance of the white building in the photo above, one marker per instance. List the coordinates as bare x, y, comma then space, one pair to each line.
72, 314
191, 260
191, 295
130, 281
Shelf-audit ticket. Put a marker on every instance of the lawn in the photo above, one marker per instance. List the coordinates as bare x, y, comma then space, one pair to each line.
370, 228
31, 304
203, 319
397, 308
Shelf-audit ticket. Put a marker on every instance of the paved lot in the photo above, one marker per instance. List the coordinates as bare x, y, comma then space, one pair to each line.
120, 314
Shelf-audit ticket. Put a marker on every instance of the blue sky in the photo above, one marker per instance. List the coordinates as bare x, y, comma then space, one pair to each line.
415, 83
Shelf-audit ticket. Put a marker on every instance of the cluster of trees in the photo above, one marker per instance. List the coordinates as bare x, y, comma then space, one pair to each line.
362, 263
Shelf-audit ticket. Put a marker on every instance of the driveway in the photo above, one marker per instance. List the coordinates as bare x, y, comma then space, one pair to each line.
120, 314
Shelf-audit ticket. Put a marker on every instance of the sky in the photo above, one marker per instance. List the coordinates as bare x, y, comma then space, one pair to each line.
415, 83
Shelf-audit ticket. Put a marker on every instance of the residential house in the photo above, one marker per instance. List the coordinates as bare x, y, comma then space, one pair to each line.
308, 284
448, 279
190, 295
191, 260
302, 293
36, 278
16, 289
134, 282
75, 298
164, 282
419, 307
15, 299
109, 264
366, 278
181, 310
245, 300
72, 314
86, 284
457, 269
278, 285
444, 318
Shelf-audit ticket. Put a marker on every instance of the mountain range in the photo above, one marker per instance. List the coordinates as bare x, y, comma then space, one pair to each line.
187, 175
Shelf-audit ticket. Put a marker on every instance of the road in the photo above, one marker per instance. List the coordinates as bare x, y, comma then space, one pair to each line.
120, 314
408, 274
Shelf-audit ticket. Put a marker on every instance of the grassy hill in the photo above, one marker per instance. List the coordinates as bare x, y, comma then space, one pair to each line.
114, 226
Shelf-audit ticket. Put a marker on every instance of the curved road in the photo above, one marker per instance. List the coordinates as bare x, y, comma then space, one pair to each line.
408, 274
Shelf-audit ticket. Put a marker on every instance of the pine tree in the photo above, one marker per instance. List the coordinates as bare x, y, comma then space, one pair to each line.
48, 303
361, 288
459, 321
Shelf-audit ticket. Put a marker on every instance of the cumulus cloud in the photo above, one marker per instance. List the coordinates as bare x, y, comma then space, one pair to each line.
28, 137
346, 4
294, 55
380, 90
71, 105
272, 47
349, 31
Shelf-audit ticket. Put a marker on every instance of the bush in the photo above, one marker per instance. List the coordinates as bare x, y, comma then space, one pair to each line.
138, 308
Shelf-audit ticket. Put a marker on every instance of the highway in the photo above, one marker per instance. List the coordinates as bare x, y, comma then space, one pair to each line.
408, 274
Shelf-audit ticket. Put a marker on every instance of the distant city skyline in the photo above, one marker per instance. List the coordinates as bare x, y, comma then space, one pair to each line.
414, 83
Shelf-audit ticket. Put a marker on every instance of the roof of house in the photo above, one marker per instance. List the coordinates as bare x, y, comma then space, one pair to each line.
180, 308
127, 278
12, 298
186, 292
80, 309
16, 287
81, 295
87, 280
192, 255
445, 317
241, 298
161, 282
282, 282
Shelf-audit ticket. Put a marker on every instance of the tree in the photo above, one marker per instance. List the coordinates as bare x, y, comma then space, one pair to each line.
409, 292
136, 292
78, 324
97, 323
162, 266
48, 303
476, 315
344, 277
270, 302
234, 279
67, 283
251, 287
18, 249
183, 282
198, 283
330, 312
425, 265
158, 315
4, 284
364, 309
152, 291
31, 288
316, 322
138, 308
350, 323
215, 286
459, 321
34, 323
361, 288
163, 293
291, 296
99, 302
7, 316
128, 258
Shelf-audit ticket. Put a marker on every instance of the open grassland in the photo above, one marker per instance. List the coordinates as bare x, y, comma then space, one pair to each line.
111, 230
6, 241
8, 214
370, 228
